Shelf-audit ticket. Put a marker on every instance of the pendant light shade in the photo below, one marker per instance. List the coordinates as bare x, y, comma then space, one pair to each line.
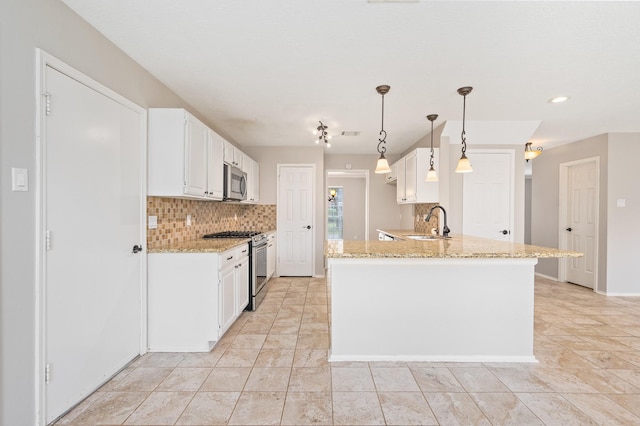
383, 164
432, 176
464, 166
530, 153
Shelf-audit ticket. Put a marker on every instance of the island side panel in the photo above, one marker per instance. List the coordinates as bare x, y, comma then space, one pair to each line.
432, 309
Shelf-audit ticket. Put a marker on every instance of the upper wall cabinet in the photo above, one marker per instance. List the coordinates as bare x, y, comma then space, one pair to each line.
233, 155
251, 167
185, 156
411, 174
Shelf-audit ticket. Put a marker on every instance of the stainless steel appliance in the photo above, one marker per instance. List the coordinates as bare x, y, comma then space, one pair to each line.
235, 184
257, 263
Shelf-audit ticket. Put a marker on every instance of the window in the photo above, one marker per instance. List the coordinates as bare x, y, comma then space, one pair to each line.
334, 215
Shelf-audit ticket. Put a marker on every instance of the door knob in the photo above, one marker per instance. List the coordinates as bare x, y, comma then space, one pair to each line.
569, 229
504, 232
136, 249
306, 227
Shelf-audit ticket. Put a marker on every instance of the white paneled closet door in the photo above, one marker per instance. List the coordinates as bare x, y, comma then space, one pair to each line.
92, 210
295, 220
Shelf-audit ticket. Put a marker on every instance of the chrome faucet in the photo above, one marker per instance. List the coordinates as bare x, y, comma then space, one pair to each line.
445, 228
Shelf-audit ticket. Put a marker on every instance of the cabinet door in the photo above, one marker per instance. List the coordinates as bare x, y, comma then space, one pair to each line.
195, 157
411, 174
227, 297
400, 188
242, 285
229, 153
215, 163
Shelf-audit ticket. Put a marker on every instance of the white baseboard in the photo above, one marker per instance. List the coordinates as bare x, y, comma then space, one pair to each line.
431, 358
615, 294
548, 277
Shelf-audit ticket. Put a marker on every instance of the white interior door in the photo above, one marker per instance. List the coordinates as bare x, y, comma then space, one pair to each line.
92, 201
488, 196
580, 228
295, 220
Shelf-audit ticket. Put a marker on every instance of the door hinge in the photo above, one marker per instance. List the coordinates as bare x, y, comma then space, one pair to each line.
48, 240
47, 103
47, 373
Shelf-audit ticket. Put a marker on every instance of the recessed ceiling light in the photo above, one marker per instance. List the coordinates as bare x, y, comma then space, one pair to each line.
558, 99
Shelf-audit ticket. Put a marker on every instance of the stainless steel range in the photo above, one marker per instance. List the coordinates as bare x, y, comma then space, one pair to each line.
257, 263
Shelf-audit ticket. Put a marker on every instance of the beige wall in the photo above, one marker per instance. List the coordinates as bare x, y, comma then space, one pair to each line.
269, 158
384, 212
545, 193
24, 26
623, 223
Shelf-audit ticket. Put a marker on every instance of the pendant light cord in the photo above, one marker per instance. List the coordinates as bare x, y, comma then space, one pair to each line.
464, 111
431, 159
381, 148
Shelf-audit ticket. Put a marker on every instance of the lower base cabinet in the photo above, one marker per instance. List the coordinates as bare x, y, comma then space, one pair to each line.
193, 298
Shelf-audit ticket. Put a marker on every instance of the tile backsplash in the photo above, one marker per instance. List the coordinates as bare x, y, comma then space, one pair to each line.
420, 225
206, 217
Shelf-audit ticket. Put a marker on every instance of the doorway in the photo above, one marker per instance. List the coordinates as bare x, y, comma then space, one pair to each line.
295, 219
578, 221
350, 209
91, 317
488, 195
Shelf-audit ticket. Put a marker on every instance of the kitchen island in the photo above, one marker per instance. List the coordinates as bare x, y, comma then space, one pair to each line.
461, 299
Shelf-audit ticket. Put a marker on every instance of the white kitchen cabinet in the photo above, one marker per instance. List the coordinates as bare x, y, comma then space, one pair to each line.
183, 156
252, 169
242, 280
215, 170
412, 172
227, 290
193, 298
182, 302
271, 255
392, 176
233, 155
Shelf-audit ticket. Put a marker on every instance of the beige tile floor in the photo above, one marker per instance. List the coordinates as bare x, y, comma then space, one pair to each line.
271, 368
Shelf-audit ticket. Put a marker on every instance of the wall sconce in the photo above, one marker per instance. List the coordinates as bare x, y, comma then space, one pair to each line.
463, 164
323, 136
530, 153
332, 195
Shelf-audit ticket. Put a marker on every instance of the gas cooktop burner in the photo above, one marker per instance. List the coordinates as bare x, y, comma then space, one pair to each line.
233, 234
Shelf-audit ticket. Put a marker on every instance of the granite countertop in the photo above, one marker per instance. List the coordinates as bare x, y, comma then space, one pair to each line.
201, 245
458, 246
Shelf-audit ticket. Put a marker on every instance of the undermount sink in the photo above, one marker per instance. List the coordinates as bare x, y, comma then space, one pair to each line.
423, 237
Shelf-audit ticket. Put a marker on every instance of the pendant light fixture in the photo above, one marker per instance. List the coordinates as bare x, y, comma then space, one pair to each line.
530, 153
323, 136
383, 164
463, 163
432, 176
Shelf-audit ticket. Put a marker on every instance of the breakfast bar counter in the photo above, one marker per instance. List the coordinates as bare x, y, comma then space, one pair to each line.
461, 299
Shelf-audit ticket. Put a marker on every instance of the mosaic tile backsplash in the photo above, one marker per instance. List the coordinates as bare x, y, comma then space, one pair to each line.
420, 225
206, 217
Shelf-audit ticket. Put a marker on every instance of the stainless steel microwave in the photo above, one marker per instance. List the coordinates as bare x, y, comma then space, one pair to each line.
235, 184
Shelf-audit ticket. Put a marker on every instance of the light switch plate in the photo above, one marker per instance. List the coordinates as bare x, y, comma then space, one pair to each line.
152, 222
19, 179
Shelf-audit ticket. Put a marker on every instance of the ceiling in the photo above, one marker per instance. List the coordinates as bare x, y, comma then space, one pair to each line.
264, 72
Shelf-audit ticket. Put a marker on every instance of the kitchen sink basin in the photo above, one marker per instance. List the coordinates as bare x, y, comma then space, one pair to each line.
422, 237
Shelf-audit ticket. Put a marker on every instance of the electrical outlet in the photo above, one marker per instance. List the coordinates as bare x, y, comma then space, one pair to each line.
152, 222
